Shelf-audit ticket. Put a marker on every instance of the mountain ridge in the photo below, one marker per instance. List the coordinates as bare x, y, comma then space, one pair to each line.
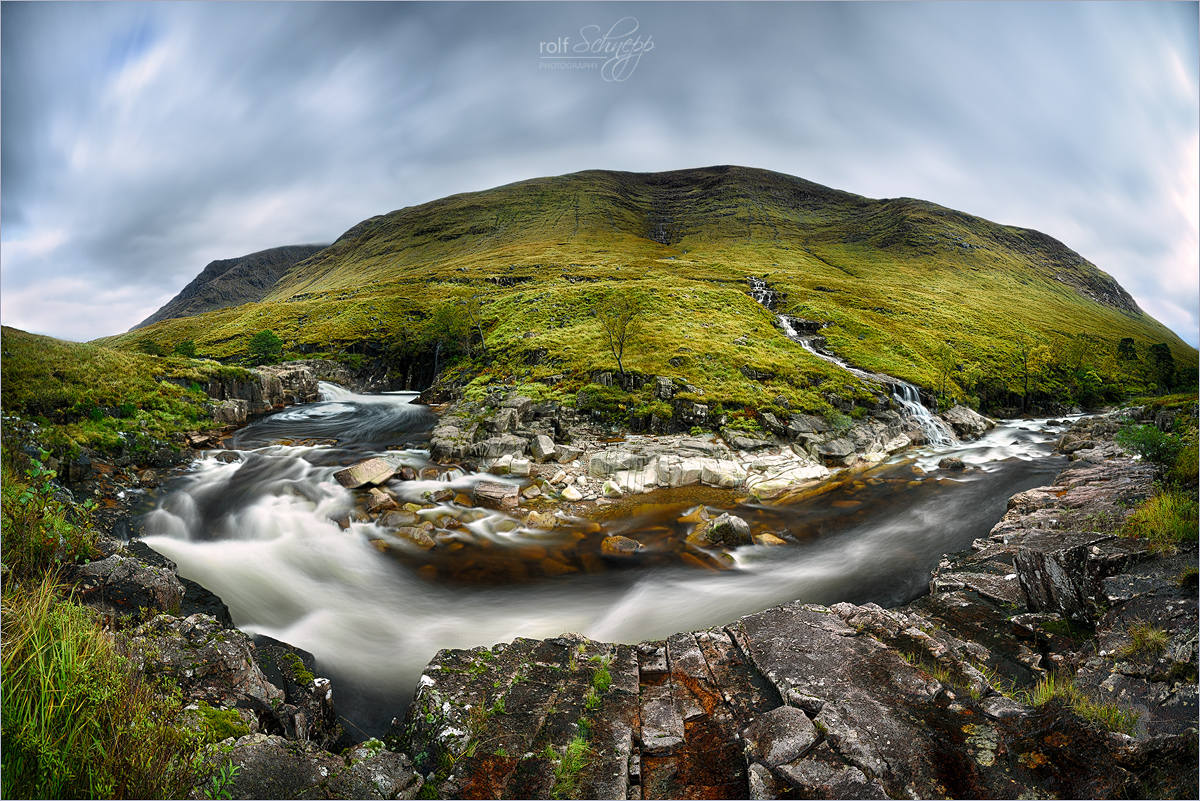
231, 282
901, 286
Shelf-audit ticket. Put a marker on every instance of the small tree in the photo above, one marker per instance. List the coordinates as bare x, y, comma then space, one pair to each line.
620, 319
186, 348
472, 306
265, 348
946, 360
1163, 364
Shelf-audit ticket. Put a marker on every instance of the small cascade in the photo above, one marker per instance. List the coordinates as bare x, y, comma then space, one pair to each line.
907, 396
763, 294
936, 432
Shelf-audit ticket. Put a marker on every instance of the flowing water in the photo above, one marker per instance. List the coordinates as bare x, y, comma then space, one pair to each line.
258, 525
907, 397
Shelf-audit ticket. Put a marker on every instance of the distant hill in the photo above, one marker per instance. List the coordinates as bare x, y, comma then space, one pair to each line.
937, 297
232, 282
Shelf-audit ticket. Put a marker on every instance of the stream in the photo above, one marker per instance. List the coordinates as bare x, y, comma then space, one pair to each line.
267, 528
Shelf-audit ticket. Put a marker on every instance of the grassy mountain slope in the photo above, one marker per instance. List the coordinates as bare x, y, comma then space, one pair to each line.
906, 285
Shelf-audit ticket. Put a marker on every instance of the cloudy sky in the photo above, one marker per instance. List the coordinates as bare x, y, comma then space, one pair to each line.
141, 141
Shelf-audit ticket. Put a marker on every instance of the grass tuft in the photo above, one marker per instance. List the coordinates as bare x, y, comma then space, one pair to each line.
78, 720
1165, 520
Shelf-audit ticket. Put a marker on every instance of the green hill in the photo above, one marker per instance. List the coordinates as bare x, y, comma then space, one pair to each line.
940, 298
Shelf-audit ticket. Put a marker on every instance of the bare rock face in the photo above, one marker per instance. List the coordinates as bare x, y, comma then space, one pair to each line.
497, 496
297, 383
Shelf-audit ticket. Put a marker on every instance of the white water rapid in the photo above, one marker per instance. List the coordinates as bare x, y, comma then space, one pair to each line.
256, 527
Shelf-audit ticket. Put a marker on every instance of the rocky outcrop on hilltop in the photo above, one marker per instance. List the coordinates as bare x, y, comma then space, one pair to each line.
232, 282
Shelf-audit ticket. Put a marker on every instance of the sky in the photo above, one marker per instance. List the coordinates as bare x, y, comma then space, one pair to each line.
140, 141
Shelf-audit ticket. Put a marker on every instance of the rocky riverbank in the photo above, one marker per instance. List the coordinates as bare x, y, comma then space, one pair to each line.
940, 698
843, 701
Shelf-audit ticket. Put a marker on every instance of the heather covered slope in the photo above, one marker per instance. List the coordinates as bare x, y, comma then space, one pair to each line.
940, 298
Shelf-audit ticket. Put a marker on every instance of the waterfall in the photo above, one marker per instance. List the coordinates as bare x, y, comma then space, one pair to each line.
907, 396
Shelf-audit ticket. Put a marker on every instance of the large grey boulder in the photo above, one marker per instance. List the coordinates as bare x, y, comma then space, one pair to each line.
967, 423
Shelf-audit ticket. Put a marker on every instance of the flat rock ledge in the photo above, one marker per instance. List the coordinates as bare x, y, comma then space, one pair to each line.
927, 700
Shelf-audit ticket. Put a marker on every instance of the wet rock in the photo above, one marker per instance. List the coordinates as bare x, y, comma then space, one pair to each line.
619, 546
496, 496
418, 537
729, 531
378, 501
125, 585
967, 423
951, 463
572, 494
372, 471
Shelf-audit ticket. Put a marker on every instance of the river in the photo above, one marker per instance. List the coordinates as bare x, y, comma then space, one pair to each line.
257, 525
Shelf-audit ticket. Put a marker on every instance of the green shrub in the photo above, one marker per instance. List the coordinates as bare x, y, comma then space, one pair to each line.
1149, 443
186, 348
609, 403
78, 720
40, 528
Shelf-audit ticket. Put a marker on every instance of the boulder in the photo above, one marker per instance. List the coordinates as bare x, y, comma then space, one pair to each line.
496, 496
619, 546
566, 453
951, 463
124, 585
1053, 571
372, 471
498, 446
967, 423
378, 501
522, 406
542, 448
834, 452
729, 531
